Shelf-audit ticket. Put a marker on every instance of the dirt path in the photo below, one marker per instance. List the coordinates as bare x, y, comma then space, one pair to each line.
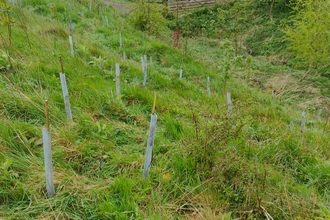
123, 8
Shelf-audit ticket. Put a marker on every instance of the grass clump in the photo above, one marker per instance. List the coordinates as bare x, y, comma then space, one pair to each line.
207, 162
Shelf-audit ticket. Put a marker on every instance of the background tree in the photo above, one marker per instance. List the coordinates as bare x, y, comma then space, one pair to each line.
5, 17
148, 17
272, 6
309, 35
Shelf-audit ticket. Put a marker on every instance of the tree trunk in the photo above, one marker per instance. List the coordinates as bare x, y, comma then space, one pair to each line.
271, 10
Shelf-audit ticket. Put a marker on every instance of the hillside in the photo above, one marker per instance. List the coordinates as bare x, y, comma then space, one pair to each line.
249, 160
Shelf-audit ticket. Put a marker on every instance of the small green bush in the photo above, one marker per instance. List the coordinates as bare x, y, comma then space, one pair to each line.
148, 17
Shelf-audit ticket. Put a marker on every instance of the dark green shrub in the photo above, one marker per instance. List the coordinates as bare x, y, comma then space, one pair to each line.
148, 17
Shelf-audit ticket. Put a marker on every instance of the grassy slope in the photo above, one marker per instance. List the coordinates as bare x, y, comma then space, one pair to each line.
257, 155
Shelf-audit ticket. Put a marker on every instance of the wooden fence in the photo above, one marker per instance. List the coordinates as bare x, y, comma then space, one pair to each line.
189, 4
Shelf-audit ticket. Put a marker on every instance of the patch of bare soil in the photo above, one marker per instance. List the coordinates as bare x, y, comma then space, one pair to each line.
290, 89
316, 103
282, 83
121, 7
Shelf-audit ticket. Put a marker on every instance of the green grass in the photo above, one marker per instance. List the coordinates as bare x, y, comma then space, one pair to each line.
203, 161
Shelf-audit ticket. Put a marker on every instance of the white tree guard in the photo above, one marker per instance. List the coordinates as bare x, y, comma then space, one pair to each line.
229, 103
70, 25
208, 86
319, 113
70, 8
120, 40
145, 62
144, 70
150, 145
303, 119
117, 80
48, 162
66, 96
106, 21
71, 45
